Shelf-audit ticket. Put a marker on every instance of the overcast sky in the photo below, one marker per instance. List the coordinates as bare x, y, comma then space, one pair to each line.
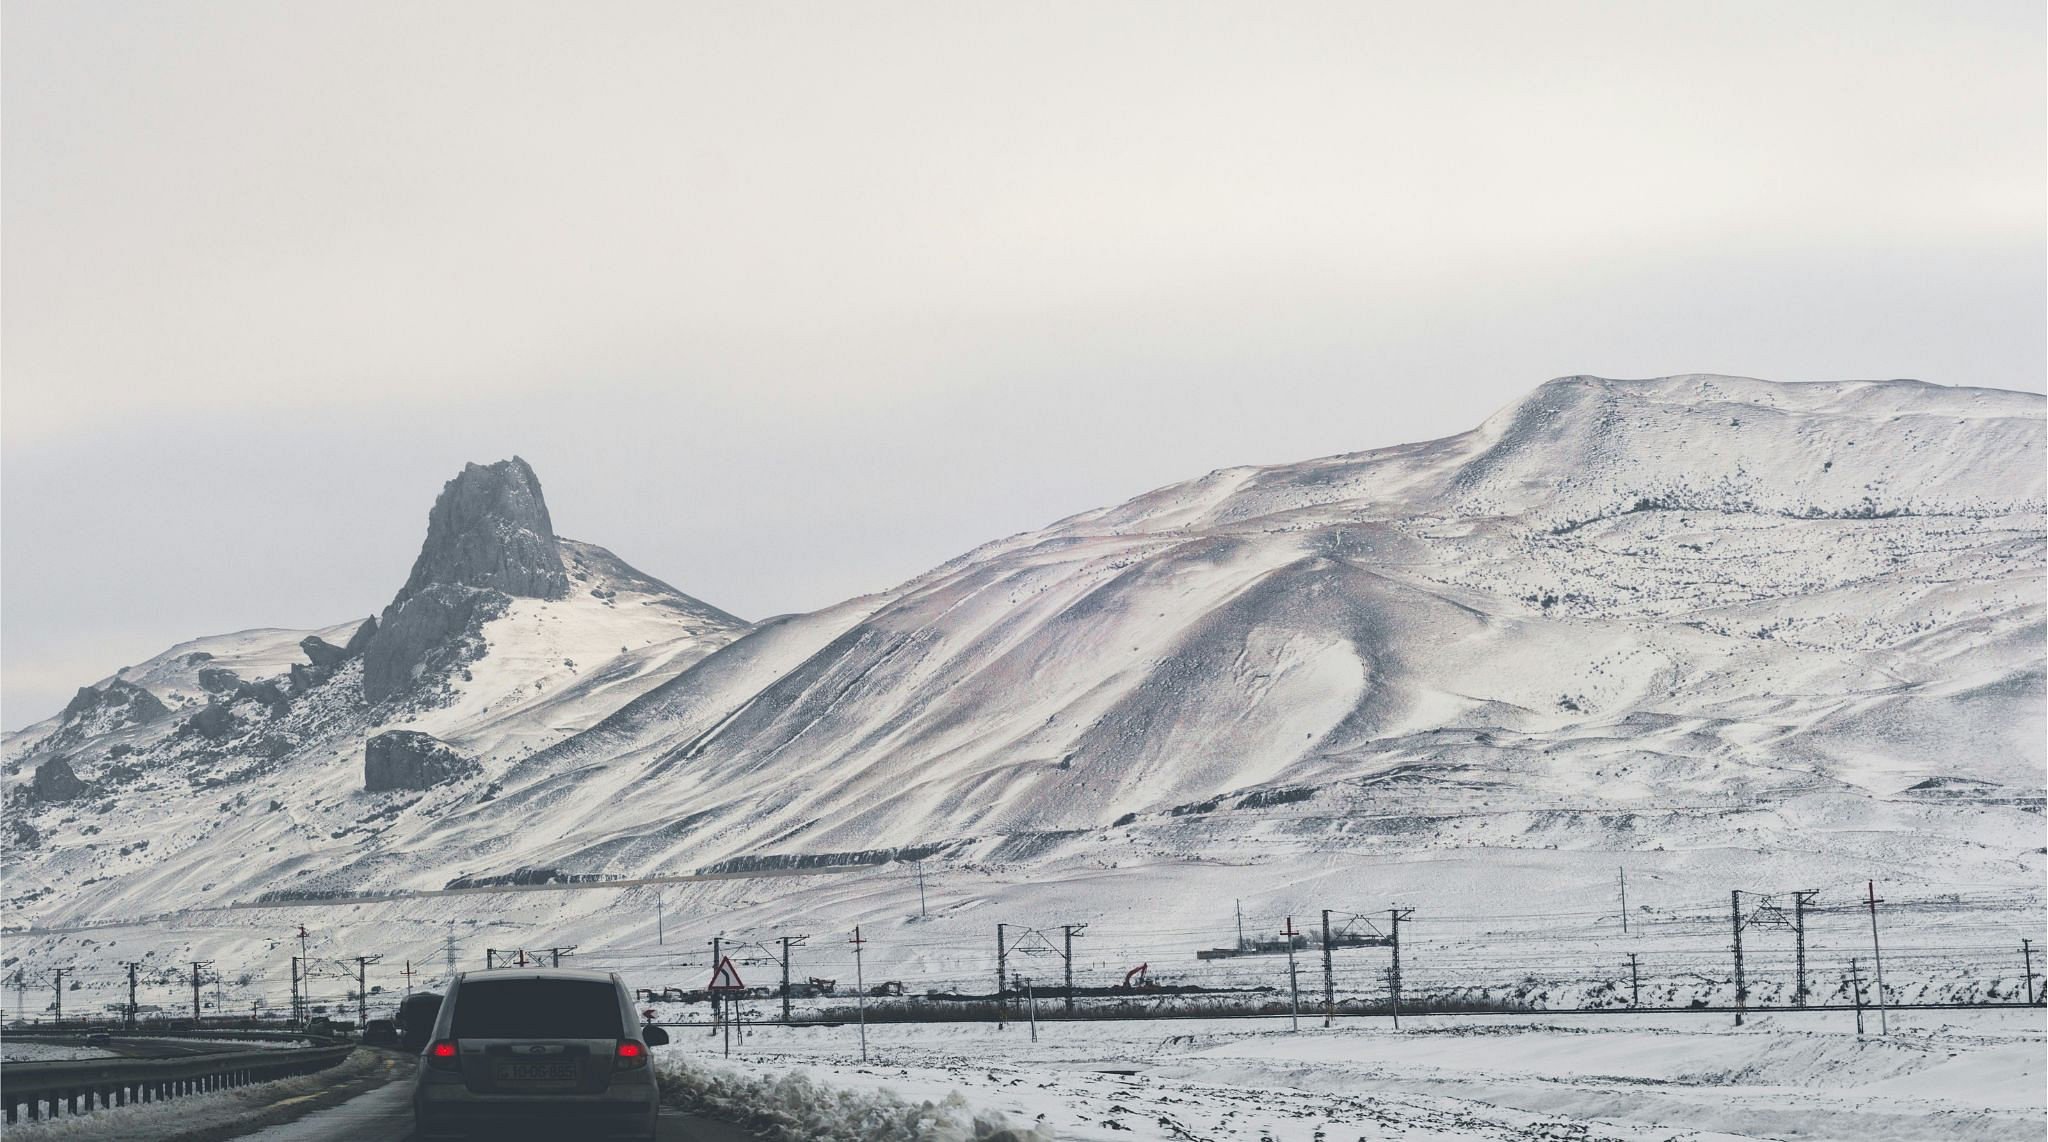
787, 302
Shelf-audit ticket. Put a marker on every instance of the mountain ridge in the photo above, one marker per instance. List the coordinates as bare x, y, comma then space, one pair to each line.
1606, 598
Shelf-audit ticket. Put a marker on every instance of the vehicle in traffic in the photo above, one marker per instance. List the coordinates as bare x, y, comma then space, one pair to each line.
538, 1048
98, 1037
416, 1020
380, 1033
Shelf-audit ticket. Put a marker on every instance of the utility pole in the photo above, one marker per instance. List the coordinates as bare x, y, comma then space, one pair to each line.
1856, 985
1877, 959
921, 913
451, 952
1624, 899
196, 965
661, 922
860, 991
362, 989
1735, 917
1635, 983
1293, 981
786, 942
1240, 925
298, 1007
555, 955
1002, 974
2027, 954
57, 986
1800, 900
1070, 931
1329, 980
131, 994
490, 959
408, 973
717, 958
1395, 915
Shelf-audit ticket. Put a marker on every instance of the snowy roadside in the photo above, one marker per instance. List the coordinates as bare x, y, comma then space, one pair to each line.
19, 1050
791, 1106
196, 1113
1967, 1078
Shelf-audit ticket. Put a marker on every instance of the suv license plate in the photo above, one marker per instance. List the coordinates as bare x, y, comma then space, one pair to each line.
527, 1073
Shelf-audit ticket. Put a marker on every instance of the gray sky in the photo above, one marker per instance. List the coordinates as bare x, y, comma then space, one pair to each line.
790, 301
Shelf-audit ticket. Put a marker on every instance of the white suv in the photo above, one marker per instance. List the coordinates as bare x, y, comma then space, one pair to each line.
556, 1050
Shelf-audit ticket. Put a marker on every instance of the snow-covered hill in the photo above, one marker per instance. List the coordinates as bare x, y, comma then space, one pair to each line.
1699, 590
1724, 625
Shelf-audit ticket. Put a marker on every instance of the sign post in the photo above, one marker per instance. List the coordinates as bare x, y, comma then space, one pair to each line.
725, 980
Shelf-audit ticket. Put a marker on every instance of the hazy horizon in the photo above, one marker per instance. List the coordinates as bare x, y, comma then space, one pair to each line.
787, 304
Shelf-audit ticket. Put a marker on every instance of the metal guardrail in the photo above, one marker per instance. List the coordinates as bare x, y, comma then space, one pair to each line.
153, 1031
76, 1086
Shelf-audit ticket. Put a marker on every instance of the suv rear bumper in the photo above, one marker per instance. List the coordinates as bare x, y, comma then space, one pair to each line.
453, 1111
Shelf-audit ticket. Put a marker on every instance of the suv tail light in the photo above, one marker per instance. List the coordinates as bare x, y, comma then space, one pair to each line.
444, 1055
631, 1055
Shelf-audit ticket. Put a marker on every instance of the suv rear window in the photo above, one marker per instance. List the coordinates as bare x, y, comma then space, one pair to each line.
537, 1009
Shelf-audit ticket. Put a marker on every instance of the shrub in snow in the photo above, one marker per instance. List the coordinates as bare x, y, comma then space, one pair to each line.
793, 1107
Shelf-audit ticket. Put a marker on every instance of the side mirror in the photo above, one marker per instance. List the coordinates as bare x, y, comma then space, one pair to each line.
654, 1035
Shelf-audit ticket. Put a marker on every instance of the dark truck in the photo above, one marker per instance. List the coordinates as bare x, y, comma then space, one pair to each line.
416, 1020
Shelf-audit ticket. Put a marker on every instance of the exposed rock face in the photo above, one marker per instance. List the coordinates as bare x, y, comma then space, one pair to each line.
426, 636
211, 722
120, 702
360, 641
265, 692
324, 655
22, 836
490, 528
408, 759
488, 538
218, 680
54, 781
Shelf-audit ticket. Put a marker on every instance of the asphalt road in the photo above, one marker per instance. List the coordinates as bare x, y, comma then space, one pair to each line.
384, 1114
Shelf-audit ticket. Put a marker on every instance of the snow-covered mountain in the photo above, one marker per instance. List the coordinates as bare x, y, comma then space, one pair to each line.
1790, 628
505, 639
1614, 594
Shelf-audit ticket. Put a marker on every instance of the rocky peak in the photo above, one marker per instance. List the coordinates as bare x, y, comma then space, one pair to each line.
489, 528
488, 538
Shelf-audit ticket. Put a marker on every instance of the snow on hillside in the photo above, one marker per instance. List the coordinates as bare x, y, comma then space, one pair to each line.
1727, 632
1702, 590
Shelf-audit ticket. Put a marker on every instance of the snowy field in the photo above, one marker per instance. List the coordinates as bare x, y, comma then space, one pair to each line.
15, 1049
1938, 1075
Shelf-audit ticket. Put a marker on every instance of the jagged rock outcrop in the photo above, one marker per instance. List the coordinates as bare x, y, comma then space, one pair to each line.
212, 722
324, 655
408, 759
54, 781
265, 693
118, 703
360, 641
428, 635
218, 680
488, 538
489, 528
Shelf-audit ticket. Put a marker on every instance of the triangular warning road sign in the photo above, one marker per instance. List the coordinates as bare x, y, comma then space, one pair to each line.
725, 977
